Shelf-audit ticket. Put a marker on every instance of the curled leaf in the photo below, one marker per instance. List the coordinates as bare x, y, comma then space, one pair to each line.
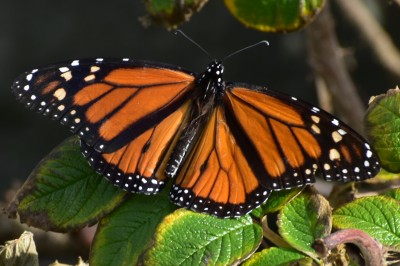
20, 252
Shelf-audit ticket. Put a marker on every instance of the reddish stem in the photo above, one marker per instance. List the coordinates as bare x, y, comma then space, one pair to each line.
373, 252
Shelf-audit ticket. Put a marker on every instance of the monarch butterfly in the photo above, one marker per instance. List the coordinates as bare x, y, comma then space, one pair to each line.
226, 144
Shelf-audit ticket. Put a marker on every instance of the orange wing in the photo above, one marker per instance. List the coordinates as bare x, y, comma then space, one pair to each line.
241, 142
126, 112
216, 177
288, 141
258, 140
140, 165
106, 102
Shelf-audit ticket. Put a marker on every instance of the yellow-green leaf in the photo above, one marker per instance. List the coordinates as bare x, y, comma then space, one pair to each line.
382, 124
275, 15
123, 235
378, 216
305, 219
189, 238
64, 193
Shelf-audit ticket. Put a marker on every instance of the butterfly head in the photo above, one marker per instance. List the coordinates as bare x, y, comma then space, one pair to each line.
214, 72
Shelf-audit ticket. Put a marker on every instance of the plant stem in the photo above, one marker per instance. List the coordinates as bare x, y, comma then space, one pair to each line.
373, 251
377, 38
328, 65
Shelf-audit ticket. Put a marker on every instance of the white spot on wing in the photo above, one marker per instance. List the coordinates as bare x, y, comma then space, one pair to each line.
316, 129
315, 118
336, 136
60, 94
67, 75
63, 69
315, 110
89, 78
94, 69
334, 154
75, 63
342, 132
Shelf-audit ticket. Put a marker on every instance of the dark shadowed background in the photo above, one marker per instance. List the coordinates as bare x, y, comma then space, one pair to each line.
36, 33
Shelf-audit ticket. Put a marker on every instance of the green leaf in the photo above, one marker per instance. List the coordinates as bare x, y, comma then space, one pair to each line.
170, 13
279, 199
382, 124
19, 252
393, 193
275, 15
275, 257
385, 177
305, 219
378, 216
63, 193
189, 238
123, 235
276, 201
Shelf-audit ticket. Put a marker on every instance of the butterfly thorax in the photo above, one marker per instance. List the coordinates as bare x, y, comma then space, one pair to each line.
209, 92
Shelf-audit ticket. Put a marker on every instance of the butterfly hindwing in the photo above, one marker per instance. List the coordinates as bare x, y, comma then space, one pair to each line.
140, 165
288, 141
216, 178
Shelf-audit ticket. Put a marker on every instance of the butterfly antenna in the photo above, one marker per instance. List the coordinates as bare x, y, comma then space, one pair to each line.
176, 32
245, 48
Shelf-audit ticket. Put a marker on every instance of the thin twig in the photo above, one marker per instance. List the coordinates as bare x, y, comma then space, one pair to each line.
327, 63
324, 96
376, 36
272, 236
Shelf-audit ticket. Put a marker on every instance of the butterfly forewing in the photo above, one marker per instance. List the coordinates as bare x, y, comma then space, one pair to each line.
289, 141
127, 113
106, 102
